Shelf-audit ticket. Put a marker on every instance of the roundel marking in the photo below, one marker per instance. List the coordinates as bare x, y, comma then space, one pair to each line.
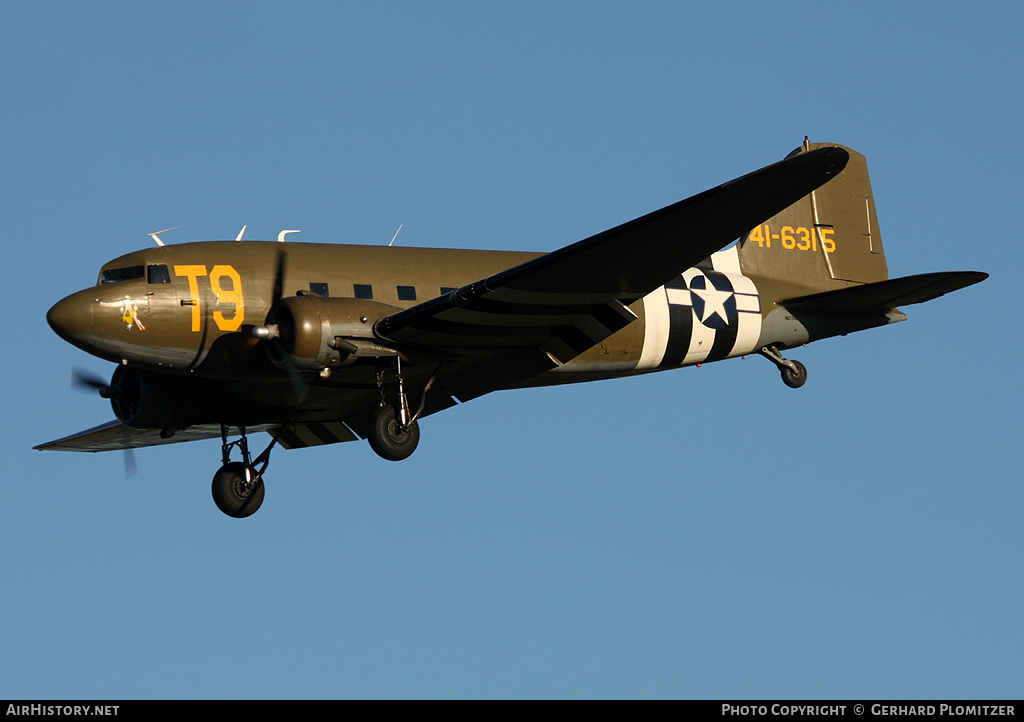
713, 300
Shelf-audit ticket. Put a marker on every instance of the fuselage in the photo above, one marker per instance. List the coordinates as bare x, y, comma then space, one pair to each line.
190, 308
167, 307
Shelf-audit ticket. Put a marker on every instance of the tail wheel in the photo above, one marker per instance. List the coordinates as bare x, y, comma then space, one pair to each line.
237, 490
796, 377
389, 437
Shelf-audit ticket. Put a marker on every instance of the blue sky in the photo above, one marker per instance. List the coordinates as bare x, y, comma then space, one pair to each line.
702, 533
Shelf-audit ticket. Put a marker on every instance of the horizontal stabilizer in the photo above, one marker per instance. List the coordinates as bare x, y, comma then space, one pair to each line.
884, 295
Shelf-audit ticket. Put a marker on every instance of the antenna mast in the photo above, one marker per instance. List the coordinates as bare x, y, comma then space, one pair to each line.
156, 236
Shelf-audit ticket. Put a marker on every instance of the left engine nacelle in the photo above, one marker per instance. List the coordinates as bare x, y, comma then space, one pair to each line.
146, 400
312, 332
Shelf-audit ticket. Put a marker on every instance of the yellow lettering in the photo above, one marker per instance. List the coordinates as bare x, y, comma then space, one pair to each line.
804, 244
799, 238
826, 239
788, 241
192, 273
231, 296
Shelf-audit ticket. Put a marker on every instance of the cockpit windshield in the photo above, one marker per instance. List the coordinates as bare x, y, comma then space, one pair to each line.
153, 273
113, 275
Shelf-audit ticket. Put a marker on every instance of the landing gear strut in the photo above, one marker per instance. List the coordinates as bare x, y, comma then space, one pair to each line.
238, 485
394, 432
794, 373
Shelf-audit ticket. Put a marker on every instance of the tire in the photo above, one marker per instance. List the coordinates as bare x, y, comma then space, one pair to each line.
794, 379
237, 491
388, 438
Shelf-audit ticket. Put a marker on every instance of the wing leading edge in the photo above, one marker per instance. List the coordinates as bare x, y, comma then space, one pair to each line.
568, 300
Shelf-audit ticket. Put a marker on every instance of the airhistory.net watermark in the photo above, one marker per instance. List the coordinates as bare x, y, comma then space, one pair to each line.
62, 710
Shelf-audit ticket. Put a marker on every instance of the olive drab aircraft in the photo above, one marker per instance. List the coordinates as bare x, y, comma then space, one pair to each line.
322, 343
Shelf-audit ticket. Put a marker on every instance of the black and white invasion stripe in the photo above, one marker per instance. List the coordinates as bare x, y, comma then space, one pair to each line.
708, 313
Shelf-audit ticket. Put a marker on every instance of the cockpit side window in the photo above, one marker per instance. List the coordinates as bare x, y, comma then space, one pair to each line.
113, 275
157, 273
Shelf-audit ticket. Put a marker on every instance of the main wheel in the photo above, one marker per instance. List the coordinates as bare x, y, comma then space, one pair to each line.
237, 490
794, 379
389, 438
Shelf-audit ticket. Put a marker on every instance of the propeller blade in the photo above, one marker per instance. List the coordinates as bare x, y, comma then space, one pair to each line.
88, 381
278, 279
299, 386
82, 379
129, 463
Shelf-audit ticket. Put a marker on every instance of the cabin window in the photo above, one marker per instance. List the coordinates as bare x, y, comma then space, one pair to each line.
362, 290
320, 289
406, 293
113, 275
157, 273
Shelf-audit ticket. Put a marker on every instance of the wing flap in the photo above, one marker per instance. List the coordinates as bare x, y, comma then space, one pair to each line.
564, 331
300, 436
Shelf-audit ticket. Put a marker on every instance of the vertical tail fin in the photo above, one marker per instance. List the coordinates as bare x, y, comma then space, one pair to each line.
827, 240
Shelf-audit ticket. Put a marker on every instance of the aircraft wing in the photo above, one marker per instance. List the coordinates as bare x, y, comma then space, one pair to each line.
114, 436
556, 306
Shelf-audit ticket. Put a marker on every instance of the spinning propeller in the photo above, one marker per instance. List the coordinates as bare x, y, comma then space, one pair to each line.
271, 332
88, 381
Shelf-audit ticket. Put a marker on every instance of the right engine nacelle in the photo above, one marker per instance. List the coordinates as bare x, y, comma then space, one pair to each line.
314, 332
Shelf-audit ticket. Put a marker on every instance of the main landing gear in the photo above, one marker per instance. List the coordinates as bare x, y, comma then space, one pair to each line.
394, 432
238, 485
390, 437
794, 373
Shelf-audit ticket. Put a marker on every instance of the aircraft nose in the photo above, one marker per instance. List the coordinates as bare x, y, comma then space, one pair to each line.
71, 318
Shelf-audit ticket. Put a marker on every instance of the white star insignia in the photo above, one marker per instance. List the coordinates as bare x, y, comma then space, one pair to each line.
714, 302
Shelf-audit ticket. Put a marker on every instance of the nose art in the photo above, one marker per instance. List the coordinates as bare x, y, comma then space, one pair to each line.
71, 318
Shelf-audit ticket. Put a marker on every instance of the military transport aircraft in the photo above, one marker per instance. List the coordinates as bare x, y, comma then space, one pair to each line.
322, 343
